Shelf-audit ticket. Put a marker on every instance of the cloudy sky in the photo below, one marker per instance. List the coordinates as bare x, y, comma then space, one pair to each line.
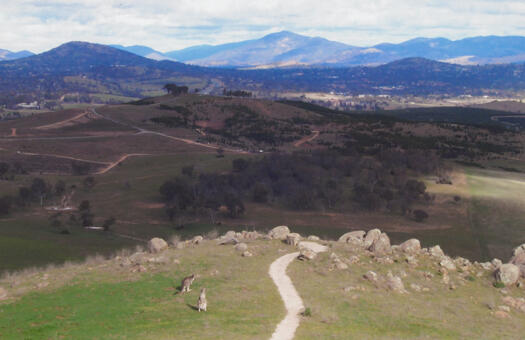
39, 25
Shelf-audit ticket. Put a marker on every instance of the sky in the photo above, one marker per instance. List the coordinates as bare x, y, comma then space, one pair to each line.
39, 25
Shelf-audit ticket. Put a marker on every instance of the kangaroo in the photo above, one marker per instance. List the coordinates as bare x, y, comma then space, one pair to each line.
186, 283
202, 303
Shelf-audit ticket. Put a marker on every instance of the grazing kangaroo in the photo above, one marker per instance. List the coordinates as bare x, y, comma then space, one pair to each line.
202, 303
186, 283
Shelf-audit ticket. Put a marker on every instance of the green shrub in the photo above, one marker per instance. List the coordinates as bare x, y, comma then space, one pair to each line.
307, 312
498, 285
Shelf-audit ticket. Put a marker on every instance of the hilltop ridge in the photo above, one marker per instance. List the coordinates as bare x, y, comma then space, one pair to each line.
362, 286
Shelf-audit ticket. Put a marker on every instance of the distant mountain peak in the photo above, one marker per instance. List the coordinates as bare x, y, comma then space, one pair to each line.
8, 55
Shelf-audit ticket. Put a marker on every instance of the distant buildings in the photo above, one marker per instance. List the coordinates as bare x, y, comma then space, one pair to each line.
32, 106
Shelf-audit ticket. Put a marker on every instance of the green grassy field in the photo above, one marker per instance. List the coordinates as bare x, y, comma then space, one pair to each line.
108, 301
486, 223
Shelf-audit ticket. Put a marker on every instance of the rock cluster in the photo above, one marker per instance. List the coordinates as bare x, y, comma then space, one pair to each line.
373, 240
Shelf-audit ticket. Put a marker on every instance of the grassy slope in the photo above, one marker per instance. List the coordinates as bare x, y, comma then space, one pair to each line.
103, 300
107, 301
379, 314
497, 206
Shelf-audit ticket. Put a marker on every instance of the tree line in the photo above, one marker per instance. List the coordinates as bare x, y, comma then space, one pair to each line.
320, 180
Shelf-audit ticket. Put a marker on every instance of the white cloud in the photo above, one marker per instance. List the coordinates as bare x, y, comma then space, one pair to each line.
168, 25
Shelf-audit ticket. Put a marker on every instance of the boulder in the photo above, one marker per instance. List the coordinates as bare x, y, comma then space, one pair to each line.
516, 303
3, 294
338, 263
463, 263
411, 260
197, 239
229, 234
519, 261
519, 250
508, 274
447, 263
371, 276
357, 235
412, 246
228, 238
313, 238
371, 237
247, 254
293, 239
496, 263
486, 266
279, 233
436, 251
315, 247
156, 245
353, 259
242, 247
307, 254
394, 283
251, 235
381, 245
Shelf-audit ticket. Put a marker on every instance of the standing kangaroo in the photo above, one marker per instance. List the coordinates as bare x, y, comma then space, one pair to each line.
186, 283
202, 303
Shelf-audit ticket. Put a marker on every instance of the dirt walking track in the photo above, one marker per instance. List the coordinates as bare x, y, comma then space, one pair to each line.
292, 301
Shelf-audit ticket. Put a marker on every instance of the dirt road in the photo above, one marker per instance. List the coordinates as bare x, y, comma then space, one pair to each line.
306, 139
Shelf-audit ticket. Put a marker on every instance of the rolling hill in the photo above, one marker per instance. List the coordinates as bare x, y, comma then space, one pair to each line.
85, 68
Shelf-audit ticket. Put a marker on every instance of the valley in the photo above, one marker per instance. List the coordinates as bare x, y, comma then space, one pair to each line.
130, 154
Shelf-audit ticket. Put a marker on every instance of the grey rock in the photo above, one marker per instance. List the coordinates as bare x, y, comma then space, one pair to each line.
293, 239
381, 245
242, 247
394, 283
411, 260
519, 250
307, 254
508, 274
371, 276
412, 246
197, 239
496, 263
247, 254
313, 238
371, 237
519, 260
356, 236
447, 263
436, 251
279, 233
156, 245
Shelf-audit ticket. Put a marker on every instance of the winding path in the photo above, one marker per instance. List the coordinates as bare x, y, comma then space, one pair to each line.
292, 301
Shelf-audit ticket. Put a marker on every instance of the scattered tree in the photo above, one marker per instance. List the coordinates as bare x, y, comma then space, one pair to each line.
420, 215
